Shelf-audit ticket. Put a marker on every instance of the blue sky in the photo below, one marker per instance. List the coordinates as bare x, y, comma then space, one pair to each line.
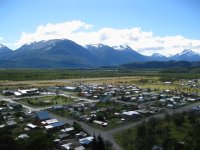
178, 19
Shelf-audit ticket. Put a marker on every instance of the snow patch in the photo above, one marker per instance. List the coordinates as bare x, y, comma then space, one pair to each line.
187, 52
95, 45
121, 47
157, 55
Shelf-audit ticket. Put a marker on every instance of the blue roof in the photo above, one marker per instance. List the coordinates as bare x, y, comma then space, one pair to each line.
57, 124
43, 115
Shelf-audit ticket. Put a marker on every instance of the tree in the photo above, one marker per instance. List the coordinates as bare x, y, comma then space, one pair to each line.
193, 137
168, 118
7, 141
100, 116
152, 124
141, 130
192, 117
77, 127
100, 143
170, 144
94, 143
39, 141
178, 119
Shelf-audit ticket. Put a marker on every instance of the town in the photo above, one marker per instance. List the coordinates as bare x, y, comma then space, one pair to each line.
75, 115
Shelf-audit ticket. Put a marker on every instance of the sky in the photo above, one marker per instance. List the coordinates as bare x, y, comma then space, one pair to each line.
147, 26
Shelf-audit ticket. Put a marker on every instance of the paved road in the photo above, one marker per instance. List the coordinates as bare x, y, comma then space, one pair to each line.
107, 135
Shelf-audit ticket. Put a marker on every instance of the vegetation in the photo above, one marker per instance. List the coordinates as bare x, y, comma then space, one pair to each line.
159, 64
46, 101
177, 131
37, 140
49, 74
99, 144
53, 74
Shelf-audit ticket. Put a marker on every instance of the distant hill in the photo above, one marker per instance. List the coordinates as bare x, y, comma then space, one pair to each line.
187, 55
158, 64
4, 52
159, 57
114, 56
63, 53
52, 54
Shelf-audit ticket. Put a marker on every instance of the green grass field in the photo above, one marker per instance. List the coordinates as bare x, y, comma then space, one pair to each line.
46, 101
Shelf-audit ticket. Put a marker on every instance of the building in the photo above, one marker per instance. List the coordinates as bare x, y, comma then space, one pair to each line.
15, 106
42, 116
130, 115
26, 92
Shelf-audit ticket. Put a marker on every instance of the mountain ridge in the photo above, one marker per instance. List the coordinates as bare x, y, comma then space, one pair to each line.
61, 53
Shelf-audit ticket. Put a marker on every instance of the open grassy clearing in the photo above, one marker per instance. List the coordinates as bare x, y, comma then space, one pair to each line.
46, 101
63, 82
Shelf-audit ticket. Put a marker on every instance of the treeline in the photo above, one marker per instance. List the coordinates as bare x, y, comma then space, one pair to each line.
160, 64
51, 74
166, 66
181, 70
177, 76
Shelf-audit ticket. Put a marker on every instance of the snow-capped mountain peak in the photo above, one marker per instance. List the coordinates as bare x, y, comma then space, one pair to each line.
121, 47
157, 55
95, 45
187, 52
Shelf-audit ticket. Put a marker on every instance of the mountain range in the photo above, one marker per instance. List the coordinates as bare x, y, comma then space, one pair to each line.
63, 53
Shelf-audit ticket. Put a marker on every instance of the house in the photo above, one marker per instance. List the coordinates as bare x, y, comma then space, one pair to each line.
69, 88
23, 136
104, 124
8, 92
67, 130
67, 146
168, 82
80, 135
42, 115
58, 107
63, 136
157, 147
11, 124
130, 115
26, 92
86, 141
15, 106
32, 126
79, 148
54, 125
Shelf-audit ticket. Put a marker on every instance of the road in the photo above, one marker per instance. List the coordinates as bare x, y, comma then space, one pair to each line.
106, 135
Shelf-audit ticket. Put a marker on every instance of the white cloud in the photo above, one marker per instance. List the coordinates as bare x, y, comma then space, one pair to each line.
142, 41
1, 38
